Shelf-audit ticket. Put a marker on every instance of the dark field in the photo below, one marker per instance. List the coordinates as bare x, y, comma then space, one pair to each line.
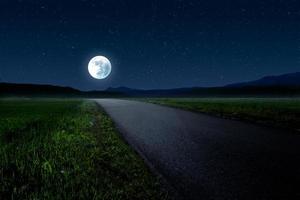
281, 112
59, 149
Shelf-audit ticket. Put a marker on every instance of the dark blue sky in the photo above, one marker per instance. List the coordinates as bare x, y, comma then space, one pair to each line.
151, 44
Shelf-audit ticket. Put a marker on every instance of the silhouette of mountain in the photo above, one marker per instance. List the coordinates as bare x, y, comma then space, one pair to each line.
13, 89
286, 84
285, 80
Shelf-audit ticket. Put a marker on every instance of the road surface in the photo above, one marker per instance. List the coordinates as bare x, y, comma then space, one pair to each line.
205, 157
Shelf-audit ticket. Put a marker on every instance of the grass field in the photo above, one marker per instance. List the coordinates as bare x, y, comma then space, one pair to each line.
281, 112
59, 149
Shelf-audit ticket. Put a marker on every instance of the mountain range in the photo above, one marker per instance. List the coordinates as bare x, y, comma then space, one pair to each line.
286, 84
289, 80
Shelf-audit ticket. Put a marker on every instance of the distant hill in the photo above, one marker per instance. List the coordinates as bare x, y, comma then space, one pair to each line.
214, 92
285, 80
28, 90
13, 88
286, 84
283, 85
157, 92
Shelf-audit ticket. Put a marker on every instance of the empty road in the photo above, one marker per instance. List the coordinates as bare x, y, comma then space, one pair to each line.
205, 157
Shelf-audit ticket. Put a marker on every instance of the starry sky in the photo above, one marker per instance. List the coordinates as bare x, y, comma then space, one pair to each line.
151, 44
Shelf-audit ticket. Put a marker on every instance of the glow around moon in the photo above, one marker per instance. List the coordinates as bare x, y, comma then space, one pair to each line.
99, 67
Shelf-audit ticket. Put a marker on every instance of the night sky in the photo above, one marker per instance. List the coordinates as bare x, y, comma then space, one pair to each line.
151, 44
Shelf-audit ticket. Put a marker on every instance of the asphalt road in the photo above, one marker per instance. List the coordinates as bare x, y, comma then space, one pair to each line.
206, 157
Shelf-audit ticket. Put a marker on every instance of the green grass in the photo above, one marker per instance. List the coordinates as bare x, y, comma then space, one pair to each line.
276, 112
59, 149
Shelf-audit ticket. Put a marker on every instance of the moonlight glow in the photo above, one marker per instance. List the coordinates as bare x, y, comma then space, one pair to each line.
99, 67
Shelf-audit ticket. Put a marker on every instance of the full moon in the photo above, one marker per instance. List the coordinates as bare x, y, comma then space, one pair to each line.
99, 67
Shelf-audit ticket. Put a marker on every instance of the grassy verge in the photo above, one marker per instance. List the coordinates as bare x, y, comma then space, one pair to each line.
276, 112
67, 150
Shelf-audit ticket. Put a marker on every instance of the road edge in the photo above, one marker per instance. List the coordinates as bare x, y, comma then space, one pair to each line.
167, 186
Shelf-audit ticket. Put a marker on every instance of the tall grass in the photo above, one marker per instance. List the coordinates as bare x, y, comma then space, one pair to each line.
67, 150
